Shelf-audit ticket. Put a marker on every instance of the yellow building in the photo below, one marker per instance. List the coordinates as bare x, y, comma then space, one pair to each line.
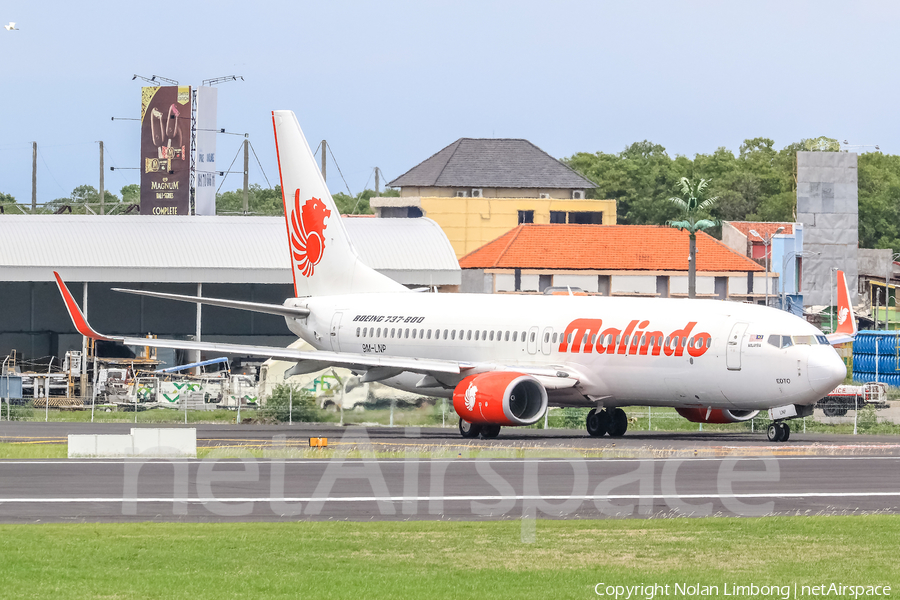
478, 189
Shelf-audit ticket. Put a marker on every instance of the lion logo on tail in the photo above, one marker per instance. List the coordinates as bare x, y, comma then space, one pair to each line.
308, 233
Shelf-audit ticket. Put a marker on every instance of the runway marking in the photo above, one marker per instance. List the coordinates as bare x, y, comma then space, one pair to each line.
116, 460
355, 499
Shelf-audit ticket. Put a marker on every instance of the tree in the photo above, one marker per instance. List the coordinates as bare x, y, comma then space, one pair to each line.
692, 207
261, 201
131, 193
6, 199
359, 204
83, 198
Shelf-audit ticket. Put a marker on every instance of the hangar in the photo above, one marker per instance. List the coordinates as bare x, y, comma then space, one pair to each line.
239, 257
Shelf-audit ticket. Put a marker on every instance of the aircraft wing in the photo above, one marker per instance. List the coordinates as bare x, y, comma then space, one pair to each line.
380, 366
343, 359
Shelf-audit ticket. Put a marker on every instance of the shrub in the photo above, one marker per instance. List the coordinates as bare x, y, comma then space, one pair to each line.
290, 403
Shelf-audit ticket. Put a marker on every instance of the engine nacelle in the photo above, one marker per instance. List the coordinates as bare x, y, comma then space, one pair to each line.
716, 415
500, 398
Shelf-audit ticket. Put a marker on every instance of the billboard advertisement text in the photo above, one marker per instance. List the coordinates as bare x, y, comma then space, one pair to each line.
165, 150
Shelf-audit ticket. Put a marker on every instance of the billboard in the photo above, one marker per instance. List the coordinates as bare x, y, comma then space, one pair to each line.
166, 150
205, 182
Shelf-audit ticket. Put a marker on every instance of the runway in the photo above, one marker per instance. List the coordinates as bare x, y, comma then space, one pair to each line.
459, 489
443, 441
527, 474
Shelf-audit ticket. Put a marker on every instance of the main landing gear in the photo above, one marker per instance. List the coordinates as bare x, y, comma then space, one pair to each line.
472, 430
779, 432
612, 421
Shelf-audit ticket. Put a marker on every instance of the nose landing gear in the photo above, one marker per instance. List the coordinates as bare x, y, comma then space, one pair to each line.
779, 432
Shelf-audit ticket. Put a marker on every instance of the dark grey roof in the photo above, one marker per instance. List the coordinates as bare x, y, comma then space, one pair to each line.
492, 163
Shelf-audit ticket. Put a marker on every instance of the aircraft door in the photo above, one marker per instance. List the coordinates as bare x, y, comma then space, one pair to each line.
532, 341
546, 345
335, 332
733, 348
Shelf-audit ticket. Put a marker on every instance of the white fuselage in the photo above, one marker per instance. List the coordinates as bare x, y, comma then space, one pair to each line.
622, 351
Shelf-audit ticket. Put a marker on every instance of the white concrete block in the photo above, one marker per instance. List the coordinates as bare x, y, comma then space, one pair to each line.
165, 442
115, 445
147, 442
82, 445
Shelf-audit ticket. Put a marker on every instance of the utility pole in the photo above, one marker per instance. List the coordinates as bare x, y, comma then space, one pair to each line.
246, 176
102, 192
376, 181
33, 177
324, 144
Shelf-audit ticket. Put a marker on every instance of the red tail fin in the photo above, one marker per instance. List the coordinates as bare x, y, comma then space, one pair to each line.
845, 317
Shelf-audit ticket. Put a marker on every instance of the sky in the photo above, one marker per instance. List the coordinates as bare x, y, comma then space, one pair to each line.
389, 83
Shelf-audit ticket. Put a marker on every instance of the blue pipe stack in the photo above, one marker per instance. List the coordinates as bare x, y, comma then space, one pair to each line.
888, 357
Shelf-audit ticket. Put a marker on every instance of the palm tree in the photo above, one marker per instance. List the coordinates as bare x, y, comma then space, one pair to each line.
693, 207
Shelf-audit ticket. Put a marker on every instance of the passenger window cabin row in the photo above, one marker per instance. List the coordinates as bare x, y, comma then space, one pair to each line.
486, 335
448, 334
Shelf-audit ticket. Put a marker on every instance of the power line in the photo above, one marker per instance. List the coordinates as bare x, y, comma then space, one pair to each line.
229, 170
260, 165
339, 169
43, 160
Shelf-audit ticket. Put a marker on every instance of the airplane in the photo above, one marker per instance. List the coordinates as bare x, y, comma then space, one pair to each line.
504, 359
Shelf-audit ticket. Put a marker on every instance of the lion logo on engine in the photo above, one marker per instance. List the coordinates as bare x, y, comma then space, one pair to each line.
470, 396
308, 233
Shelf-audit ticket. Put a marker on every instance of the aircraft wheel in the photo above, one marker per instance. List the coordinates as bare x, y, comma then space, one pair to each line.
489, 432
597, 422
618, 423
468, 430
785, 432
774, 433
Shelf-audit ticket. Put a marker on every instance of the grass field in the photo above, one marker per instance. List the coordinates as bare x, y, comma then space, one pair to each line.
441, 559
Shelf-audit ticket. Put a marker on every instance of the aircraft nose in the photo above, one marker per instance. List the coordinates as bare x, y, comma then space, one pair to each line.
826, 370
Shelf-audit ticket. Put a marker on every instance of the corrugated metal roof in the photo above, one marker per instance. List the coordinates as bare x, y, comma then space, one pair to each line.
492, 163
220, 249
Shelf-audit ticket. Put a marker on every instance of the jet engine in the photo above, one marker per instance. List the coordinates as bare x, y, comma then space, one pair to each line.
500, 398
716, 415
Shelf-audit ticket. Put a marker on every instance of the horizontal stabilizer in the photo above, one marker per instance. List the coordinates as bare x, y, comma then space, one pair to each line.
272, 309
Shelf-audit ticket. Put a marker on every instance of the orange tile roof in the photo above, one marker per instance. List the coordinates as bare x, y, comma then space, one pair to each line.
604, 247
763, 228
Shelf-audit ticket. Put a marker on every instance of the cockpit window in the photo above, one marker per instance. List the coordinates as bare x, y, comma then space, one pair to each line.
786, 341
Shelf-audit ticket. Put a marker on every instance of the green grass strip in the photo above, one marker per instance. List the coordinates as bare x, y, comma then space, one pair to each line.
441, 559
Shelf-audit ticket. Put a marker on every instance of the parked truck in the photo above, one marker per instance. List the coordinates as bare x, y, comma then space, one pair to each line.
850, 397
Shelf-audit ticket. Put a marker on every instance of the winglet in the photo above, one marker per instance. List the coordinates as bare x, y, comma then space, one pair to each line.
847, 328
75, 313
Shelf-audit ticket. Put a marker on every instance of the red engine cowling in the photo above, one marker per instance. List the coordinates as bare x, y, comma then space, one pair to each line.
716, 415
500, 398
